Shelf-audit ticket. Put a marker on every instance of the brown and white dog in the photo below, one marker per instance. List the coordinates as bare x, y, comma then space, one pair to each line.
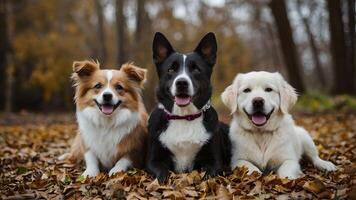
111, 117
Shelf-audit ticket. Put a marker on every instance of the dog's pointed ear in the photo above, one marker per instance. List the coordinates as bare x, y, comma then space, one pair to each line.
229, 96
207, 48
85, 68
135, 73
161, 48
288, 95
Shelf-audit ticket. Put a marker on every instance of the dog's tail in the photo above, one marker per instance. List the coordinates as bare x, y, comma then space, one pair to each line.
310, 150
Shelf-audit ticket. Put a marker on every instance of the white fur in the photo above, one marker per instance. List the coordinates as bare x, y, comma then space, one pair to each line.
122, 165
63, 156
92, 164
279, 144
109, 75
183, 74
184, 138
102, 134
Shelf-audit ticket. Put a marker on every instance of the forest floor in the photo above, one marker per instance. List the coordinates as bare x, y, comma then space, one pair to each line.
30, 144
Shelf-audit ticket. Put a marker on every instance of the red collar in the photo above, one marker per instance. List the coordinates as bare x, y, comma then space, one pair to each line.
179, 117
190, 117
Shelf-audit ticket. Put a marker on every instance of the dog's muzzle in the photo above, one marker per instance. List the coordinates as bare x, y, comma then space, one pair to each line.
259, 118
107, 107
181, 96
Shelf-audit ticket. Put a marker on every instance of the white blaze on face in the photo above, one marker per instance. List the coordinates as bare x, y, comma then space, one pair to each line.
107, 89
108, 107
109, 75
183, 101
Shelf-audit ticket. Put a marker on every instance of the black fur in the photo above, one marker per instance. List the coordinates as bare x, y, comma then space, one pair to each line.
213, 156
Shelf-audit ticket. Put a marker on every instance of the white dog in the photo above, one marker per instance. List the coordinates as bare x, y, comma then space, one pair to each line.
263, 134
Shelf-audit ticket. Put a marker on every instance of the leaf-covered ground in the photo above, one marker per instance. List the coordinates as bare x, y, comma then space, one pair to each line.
29, 169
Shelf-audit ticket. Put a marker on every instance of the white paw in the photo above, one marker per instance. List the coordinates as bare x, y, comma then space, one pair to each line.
116, 169
290, 175
250, 167
324, 165
250, 171
122, 165
63, 156
90, 172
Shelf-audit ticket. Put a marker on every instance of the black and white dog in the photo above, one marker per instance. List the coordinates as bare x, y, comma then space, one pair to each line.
185, 133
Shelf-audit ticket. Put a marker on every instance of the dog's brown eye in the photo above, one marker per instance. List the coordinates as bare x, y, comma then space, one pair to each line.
195, 69
174, 67
247, 90
118, 87
268, 89
170, 70
98, 86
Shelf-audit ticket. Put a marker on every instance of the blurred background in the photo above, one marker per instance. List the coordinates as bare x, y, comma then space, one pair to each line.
311, 42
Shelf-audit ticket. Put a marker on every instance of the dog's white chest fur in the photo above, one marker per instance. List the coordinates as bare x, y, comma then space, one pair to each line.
102, 134
184, 139
264, 149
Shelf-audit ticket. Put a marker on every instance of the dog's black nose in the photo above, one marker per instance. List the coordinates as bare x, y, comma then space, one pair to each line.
107, 96
258, 102
182, 84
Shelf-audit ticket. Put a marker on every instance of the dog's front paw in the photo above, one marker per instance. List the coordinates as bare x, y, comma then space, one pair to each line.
212, 172
245, 164
90, 172
162, 176
289, 174
116, 169
324, 165
64, 156
251, 170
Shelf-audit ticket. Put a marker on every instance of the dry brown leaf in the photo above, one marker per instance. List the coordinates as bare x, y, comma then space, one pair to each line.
315, 186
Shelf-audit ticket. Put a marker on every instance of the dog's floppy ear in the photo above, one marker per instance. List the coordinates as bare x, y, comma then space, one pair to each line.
85, 68
161, 48
288, 95
135, 73
207, 48
229, 96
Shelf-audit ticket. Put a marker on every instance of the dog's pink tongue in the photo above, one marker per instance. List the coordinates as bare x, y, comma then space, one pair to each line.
259, 119
107, 109
182, 101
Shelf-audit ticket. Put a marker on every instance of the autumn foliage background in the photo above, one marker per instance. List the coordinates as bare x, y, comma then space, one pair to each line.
312, 43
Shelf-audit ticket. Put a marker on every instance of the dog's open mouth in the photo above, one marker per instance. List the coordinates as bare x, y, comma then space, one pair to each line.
107, 108
182, 100
259, 118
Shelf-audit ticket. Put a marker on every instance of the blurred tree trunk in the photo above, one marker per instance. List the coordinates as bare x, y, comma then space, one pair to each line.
140, 14
276, 55
6, 55
289, 50
102, 53
343, 77
351, 21
267, 37
120, 27
3, 47
314, 49
142, 44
